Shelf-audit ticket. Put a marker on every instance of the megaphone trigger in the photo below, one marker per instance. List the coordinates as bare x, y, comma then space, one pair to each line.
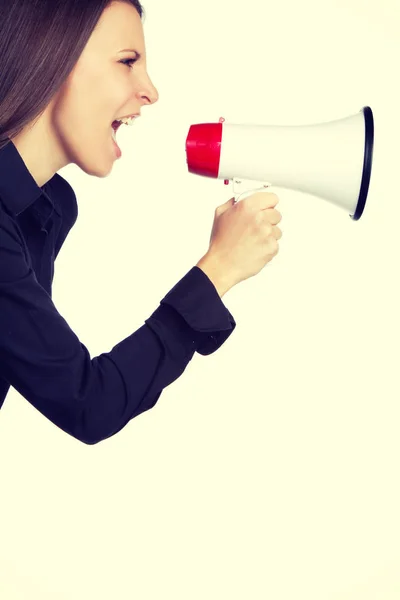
245, 187
247, 193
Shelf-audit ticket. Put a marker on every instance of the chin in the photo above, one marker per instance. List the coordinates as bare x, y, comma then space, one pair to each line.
97, 162
89, 153
97, 171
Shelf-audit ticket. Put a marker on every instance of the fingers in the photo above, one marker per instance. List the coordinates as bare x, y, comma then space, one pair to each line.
276, 232
262, 204
269, 231
265, 209
262, 200
272, 215
259, 201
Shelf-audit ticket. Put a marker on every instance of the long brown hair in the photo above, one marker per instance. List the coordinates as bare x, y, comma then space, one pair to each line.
40, 43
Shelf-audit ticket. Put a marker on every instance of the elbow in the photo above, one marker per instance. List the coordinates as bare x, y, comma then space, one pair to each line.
86, 432
91, 432
89, 441
90, 438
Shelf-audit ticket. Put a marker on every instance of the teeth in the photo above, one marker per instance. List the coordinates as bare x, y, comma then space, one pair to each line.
128, 120
125, 121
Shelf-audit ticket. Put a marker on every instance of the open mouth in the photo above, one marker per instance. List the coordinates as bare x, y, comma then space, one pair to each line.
116, 124
114, 128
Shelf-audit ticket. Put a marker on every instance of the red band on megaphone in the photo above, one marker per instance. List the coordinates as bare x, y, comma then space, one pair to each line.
203, 149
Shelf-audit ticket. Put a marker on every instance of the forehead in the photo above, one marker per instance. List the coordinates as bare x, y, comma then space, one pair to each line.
119, 27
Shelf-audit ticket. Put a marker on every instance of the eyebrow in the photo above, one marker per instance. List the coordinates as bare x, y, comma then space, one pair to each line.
131, 50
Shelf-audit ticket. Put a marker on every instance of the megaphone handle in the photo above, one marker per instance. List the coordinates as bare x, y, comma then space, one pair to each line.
244, 195
240, 193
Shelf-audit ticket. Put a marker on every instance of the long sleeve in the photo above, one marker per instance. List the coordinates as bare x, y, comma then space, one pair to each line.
94, 398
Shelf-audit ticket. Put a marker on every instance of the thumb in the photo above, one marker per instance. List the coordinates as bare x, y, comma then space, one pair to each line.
227, 204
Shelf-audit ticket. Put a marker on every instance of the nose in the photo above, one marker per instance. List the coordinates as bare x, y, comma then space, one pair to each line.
149, 92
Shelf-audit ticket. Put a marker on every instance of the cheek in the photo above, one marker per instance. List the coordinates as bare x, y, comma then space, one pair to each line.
117, 92
87, 104
73, 103
105, 88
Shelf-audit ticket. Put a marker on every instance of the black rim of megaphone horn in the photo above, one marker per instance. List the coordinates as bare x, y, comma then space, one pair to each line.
368, 151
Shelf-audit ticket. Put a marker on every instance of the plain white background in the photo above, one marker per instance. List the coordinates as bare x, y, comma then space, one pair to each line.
270, 469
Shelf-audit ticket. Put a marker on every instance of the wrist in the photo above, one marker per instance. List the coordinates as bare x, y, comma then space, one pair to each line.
210, 265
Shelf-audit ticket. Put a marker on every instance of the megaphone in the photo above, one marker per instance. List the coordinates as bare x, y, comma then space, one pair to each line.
331, 160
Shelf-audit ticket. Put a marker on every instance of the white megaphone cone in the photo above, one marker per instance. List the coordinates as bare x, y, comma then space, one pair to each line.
331, 160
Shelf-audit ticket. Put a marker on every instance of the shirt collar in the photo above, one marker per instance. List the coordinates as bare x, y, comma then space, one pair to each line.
18, 189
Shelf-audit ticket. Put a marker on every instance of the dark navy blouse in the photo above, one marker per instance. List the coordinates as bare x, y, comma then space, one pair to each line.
43, 359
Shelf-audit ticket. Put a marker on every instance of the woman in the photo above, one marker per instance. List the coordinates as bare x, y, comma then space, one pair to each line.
68, 70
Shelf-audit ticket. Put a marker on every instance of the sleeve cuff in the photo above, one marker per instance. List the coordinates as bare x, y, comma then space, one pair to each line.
206, 320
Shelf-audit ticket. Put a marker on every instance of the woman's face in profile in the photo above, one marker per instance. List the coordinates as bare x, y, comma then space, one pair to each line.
101, 89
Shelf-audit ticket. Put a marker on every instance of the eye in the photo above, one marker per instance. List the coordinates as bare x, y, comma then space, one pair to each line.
128, 62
